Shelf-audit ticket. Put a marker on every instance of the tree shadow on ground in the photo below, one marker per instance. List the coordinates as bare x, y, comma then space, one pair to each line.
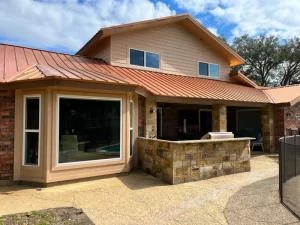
258, 203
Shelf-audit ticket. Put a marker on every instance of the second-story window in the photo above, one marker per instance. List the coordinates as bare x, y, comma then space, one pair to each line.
208, 69
144, 58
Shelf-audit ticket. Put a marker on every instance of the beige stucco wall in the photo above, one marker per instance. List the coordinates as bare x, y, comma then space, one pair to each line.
49, 171
179, 50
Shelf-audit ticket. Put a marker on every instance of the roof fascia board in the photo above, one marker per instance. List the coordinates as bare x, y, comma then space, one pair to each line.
54, 81
199, 101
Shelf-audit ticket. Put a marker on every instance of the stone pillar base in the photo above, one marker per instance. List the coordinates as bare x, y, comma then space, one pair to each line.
219, 118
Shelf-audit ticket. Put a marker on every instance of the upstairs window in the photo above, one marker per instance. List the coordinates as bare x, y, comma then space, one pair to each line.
210, 70
144, 58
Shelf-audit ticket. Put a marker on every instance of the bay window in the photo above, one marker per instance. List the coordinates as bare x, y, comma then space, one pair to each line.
89, 129
131, 127
31, 130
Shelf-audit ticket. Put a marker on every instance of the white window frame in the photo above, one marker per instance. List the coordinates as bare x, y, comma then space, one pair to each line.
131, 128
38, 96
208, 69
145, 59
161, 128
87, 97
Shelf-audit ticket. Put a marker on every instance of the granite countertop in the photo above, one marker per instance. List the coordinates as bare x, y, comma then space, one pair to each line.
202, 141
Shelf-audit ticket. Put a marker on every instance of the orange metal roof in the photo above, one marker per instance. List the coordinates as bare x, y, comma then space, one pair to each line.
287, 94
25, 64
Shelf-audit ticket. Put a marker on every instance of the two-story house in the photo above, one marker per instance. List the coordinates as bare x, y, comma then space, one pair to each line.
66, 117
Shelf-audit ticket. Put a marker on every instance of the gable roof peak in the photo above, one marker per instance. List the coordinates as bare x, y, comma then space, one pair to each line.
184, 19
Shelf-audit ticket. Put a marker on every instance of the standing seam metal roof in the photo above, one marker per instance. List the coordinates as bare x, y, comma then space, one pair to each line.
25, 64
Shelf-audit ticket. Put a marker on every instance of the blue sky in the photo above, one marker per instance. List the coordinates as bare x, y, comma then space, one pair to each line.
65, 25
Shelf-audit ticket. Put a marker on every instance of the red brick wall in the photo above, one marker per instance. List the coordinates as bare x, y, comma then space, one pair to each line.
279, 117
292, 117
285, 117
7, 118
141, 116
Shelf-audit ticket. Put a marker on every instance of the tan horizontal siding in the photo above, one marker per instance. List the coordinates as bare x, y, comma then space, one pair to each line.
179, 50
104, 51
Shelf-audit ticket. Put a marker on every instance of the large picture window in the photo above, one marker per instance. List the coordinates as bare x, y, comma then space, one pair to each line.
89, 129
31, 134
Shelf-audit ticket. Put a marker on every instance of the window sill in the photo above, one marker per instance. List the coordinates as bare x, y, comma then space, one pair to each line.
208, 77
144, 68
87, 164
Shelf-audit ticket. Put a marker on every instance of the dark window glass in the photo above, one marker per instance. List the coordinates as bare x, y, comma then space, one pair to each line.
203, 69
152, 60
31, 148
131, 142
89, 130
136, 57
32, 113
131, 114
131, 128
191, 117
159, 123
214, 70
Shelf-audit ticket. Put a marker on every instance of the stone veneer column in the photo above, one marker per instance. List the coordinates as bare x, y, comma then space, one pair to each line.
267, 119
219, 118
150, 118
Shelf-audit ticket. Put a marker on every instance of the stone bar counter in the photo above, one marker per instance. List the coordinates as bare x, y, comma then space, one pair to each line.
184, 161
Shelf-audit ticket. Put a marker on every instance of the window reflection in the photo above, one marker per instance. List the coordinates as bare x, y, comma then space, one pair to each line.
89, 129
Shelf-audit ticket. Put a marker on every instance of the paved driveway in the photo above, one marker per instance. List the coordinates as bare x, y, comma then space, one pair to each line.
246, 198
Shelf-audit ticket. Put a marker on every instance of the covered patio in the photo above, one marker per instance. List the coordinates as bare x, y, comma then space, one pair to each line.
182, 153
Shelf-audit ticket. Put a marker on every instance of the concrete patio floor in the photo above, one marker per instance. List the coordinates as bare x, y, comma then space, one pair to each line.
138, 198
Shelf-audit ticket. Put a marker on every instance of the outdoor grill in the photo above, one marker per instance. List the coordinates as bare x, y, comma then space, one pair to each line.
218, 135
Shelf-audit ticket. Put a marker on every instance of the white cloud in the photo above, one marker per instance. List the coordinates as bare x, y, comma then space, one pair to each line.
197, 6
213, 30
68, 24
252, 17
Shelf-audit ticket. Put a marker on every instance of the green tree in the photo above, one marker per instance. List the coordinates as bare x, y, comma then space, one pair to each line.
289, 69
262, 56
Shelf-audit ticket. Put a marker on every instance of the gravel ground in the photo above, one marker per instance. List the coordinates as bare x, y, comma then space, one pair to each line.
138, 198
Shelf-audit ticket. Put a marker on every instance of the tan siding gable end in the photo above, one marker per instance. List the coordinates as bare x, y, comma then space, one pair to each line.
179, 49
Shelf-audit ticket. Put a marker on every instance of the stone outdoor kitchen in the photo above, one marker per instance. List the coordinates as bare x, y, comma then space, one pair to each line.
158, 95
184, 161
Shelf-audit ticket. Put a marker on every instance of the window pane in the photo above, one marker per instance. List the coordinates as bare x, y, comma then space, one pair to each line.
32, 113
136, 57
131, 114
88, 130
152, 60
131, 142
213, 70
203, 69
31, 148
159, 123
